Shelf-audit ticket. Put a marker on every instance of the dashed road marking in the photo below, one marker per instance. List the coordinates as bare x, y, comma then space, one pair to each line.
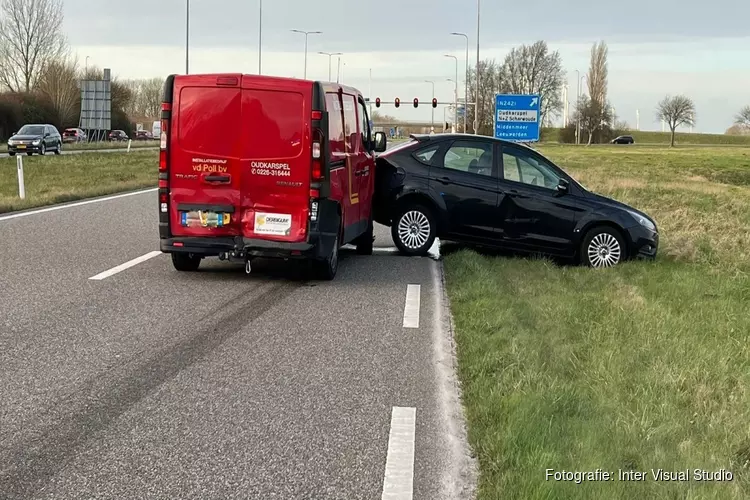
398, 483
127, 265
411, 306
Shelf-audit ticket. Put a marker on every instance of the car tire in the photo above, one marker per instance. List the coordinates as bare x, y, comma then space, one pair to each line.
327, 268
186, 262
364, 242
11, 154
29, 154
603, 246
414, 229
43, 150
58, 150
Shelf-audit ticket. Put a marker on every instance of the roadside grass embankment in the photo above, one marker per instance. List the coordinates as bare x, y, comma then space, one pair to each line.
639, 367
57, 179
93, 146
644, 137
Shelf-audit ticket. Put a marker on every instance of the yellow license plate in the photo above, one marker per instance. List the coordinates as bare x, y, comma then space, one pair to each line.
21, 146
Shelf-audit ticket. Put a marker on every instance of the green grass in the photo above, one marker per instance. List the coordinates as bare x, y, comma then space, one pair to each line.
99, 145
662, 138
643, 366
57, 179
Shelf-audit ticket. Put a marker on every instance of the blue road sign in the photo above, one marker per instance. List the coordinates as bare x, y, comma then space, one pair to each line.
517, 117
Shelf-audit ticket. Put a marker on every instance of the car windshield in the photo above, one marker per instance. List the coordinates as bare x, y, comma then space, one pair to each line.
31, 130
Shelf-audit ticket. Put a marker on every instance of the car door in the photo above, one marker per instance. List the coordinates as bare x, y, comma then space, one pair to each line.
354, 163
365, 166
49, 140
465, 176
534, 214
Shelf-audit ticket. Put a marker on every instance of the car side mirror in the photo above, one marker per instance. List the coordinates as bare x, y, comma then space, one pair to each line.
46, 134
380, 142
563, 186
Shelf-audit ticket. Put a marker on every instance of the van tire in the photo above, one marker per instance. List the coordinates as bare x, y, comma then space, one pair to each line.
421, 216
326, 269
364, 242
186, 262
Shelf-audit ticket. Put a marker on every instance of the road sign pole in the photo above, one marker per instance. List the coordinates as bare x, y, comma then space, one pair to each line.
129, 141
21, 186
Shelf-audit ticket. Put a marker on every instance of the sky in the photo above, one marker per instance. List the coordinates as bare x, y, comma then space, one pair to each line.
656, 47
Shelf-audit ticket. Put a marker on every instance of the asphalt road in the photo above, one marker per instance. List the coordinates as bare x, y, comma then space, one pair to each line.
82, 151
151, 383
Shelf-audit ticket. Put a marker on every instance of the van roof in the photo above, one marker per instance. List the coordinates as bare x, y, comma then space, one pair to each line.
327, 86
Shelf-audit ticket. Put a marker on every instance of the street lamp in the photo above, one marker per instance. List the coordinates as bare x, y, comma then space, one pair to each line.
86, 68
476, 105
306, 33
455, 94
187, 36
260, 33
330, 54
433, 96
455, 104
466, 83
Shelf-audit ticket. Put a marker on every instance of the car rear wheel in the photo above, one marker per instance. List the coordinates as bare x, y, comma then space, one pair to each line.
603, 247
413, 230
11, 153
326, 269
58, 149
186, 262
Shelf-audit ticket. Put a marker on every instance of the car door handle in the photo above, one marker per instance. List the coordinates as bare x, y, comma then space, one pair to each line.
218, 178
444, 180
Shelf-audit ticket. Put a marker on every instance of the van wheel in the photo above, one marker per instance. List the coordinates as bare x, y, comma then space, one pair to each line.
186, 261
364, 241
326, 269
414, 230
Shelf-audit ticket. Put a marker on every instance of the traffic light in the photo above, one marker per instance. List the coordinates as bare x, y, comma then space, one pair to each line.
416, 102
398, 102
434, 102
377, 102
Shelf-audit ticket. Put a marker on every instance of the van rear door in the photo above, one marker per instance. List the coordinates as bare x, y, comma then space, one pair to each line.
276, 146
204, 148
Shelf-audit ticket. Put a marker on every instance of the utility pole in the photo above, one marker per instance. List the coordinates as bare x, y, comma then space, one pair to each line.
369, 93
433, 96
330, 54
637, 119
260, 33
466, 82
455, 95
338, 70
187, 37
476, 104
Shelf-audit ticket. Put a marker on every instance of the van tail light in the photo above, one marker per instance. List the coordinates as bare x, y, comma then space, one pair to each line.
166, 112
317, 156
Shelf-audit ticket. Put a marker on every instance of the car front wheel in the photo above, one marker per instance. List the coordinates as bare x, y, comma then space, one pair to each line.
603, 247
413, 230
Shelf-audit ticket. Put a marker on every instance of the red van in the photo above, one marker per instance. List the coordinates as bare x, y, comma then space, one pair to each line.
257, 166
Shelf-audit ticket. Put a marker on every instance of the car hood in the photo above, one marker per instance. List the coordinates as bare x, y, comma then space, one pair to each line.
25, 137
616, 204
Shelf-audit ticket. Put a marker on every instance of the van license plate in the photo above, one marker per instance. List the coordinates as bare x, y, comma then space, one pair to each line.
199, 218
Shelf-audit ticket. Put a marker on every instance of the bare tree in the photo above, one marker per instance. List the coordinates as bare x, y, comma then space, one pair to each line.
31, 38
598, 74
533, 69
743, 118
490, 83
60, 85
592, 115
676, 111
151, 96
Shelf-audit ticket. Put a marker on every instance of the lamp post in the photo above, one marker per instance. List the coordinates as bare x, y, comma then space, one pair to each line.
466, 83
187, 37
455, 94
476, 104
260, 33
306, 33
330, 54
433, 96
86, 69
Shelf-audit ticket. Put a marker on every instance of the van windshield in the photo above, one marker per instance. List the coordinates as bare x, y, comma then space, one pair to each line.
31, 130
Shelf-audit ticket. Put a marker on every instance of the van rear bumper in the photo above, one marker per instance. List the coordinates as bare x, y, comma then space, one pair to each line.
317, 246
200, 246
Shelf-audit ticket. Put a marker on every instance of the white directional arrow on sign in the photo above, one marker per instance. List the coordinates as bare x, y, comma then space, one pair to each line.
533, 101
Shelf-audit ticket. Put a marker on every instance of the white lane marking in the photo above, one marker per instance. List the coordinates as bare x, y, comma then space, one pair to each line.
128, 264
76, 204
398, 483
385, 250
411, 307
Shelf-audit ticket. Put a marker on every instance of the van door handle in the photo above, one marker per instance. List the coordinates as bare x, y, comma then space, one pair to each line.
218, 178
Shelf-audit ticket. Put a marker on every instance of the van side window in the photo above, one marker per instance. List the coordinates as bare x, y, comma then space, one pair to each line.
351, 128
365, 125
335, 126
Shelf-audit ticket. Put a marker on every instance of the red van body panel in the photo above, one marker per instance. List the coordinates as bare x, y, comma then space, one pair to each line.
238, 166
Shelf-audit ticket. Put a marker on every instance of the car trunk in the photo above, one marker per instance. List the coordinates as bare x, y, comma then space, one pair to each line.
276, 163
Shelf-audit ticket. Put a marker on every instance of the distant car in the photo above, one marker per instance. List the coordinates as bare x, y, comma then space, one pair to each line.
73, 135
118, 135
623, 139
143, 135
490, 192
35, 138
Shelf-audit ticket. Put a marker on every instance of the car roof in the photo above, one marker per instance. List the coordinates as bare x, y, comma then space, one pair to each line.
457, 136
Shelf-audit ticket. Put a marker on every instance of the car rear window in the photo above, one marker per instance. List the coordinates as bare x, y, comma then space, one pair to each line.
209, 120
273, 123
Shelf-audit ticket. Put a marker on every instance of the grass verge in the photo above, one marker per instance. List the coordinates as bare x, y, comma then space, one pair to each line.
662, 138
644, 366
93, 146
57, 179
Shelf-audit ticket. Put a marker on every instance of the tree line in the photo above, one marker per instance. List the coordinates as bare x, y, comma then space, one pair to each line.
40, 77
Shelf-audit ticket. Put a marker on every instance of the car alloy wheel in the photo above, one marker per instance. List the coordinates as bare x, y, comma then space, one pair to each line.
413, 229
43, 151
604, 250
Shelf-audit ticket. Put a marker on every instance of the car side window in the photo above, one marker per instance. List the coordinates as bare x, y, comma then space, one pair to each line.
521, 166
425, 155
365, 125
473, 157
